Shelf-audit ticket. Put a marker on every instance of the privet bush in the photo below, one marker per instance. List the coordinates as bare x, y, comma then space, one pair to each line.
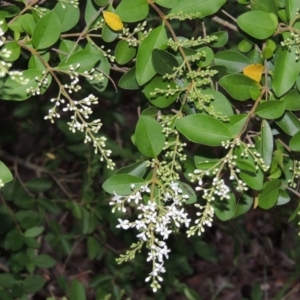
219, 128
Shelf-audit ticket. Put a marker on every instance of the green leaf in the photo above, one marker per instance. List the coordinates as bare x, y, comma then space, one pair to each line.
132, 10
294, 143
295, 213
121, 184
47, 31
128, 81
239, 86
207, 59
206, 251
222, 39
234, 61
7, 281
188, 190
266, 145
86, 59
14, 48
204, 7
5, 174
203, 129
253, 180
163, 62
286, 71
245, 45
44, 261
268, 6
28, 23
292, 100
93, 247
34, 232
33, 283
39, 185
137, 169
12, 90
236, 123
160, 100
144, 68
289, 123
271, 109
67, 14
149, 137
269, 195
124, 53
220, 103
164, 3
257, 24
243, 205
225, 209
292, 7
283, 197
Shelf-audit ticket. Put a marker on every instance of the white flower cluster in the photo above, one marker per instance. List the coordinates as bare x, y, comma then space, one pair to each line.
1, 183
155, 223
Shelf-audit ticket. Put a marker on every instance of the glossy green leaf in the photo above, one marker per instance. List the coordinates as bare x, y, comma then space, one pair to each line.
121, 184
204, 7
144, 67
33, 283
207, 59
289, 123
269, 195
28, 23
47, 31
188, 190
14, 48
160, 100
257, 24
149, 137
292, 7
266, 144
77, 291
283, 197
128, 81
5, 173
222, 38
236, 123
268, 6
244, 204
163, 62
67, 14
239, 86
294, 143
220, 103
203, 129
137, 169
164, 3
124, 53
225, 209
286, 71
292, 100
234, 61
295, 213
270, 109
132, 10
253, 180
245, 45
12, 90
86, 59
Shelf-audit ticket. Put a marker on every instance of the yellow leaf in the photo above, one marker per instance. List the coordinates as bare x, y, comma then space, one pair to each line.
254, 71
113, 20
